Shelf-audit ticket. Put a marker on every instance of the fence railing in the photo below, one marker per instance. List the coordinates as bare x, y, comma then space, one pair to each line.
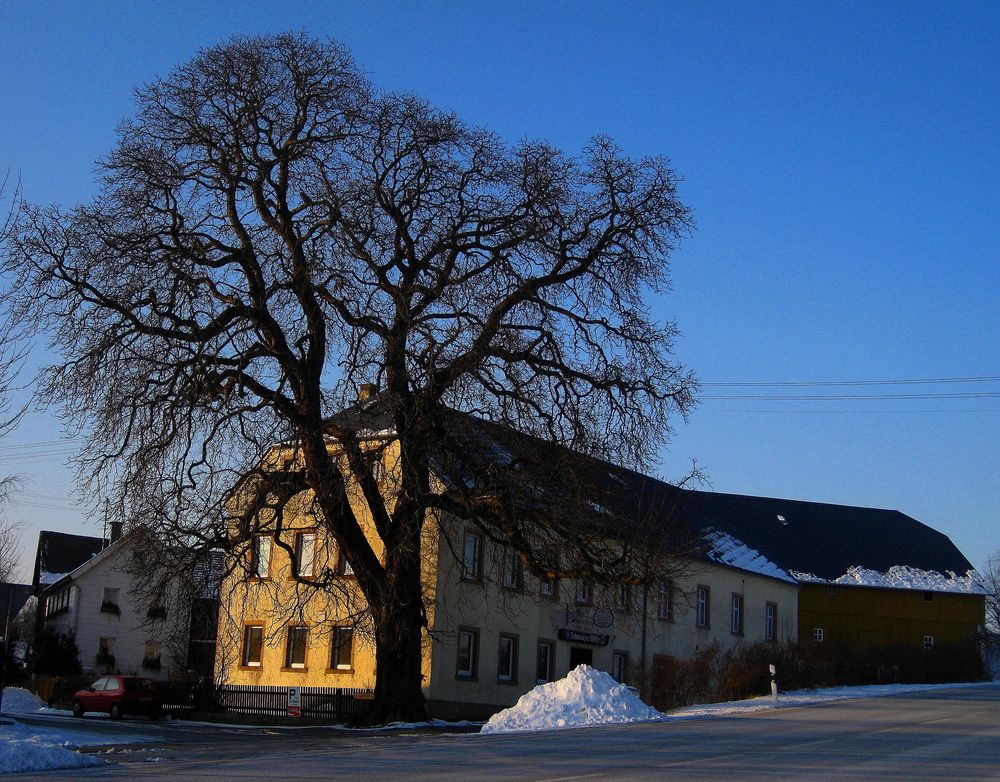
342, 705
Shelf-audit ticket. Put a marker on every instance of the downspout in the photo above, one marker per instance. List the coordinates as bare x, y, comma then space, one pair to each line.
642, 648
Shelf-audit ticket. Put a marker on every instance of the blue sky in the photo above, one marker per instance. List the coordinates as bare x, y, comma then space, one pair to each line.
841, 160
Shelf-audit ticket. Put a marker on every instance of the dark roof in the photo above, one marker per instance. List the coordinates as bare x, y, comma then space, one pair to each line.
825, 540
60, 553
820, 539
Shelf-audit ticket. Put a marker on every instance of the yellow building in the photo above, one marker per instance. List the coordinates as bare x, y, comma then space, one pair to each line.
766, 569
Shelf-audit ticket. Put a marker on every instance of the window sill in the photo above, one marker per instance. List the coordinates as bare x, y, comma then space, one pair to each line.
338, 670
466, 678
668, 619
507, 682
250, 667
295, 670
737, 634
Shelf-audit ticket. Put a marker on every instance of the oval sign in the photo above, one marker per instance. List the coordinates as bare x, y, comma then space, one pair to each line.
603, 617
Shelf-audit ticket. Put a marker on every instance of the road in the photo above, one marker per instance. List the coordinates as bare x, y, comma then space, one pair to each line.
943, 734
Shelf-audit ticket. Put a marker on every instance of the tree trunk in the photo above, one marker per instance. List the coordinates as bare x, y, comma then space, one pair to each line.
398, 676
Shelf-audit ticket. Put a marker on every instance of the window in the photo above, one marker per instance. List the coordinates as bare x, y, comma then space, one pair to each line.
468, 654
158, 606
260, 557
928, 642
928, 597
109, 603
342, 649
106, 652
472, 553
549, 587
378, 467
151, 656
507, 659
665, 601
582, 593
112, 685
736, 615
343, 566
305, 553
546, 662
770, 621
622, 596
253, 642
703, 606
619, 666
295, 647
817, 634
511, 569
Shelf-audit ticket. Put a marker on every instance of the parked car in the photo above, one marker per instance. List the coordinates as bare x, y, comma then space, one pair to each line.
118, 696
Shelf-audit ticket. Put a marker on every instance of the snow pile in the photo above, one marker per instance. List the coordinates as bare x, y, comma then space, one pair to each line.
23, 750
902, 577
47, 578
728, 550
585, 697
18, 700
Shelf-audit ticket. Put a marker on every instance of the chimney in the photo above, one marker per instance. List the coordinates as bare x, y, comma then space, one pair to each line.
116, 530
367, 391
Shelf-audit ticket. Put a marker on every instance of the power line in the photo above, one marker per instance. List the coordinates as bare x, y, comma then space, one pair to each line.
840, 397
893, 382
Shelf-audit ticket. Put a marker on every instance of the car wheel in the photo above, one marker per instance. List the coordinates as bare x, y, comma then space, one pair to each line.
116, 711
77, 708
155, 715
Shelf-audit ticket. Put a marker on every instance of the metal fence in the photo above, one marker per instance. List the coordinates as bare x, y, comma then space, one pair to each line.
342, 705
346, 705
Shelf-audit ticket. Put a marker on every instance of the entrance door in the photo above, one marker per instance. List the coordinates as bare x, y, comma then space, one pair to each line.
580, 656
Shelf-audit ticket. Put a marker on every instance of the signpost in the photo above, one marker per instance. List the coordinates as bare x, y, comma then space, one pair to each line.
294, 701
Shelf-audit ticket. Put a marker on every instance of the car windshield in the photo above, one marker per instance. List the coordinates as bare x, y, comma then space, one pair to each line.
139, 684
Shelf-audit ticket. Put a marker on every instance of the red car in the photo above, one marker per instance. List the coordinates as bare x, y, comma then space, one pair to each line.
120, 695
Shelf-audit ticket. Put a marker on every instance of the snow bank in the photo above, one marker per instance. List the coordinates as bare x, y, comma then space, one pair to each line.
17, 700
585, 697
901, 577
21, 749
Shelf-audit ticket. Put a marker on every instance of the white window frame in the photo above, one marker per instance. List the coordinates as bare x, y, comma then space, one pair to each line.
736, 614
582, 592
472, 556
305, 553
290, 650
261, 556
703, 607
511, 569
619, 666
818, 634
928, 642
338, 645
245, 660
507, 658
472, 636
550, 656
770, 621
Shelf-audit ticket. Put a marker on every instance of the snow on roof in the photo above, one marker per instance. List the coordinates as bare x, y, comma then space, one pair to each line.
902, 577
585, 697
727, 550
45, 578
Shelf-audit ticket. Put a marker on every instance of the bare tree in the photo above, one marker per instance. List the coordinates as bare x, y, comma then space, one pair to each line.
271, 233
990, 578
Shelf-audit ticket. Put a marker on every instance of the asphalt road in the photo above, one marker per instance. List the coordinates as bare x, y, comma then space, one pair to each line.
937, 735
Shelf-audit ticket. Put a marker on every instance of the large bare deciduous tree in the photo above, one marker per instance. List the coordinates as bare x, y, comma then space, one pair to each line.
271, 233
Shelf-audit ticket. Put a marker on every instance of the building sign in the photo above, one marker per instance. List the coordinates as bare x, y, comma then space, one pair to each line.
585, 619
595, 639
294, 701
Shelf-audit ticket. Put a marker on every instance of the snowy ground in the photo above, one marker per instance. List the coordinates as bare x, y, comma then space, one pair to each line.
590, 697
35, 748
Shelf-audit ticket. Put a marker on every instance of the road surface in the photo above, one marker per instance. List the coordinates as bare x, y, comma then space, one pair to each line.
949, 734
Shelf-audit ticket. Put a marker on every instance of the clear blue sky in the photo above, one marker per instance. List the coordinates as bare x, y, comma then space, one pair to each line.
842, 159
